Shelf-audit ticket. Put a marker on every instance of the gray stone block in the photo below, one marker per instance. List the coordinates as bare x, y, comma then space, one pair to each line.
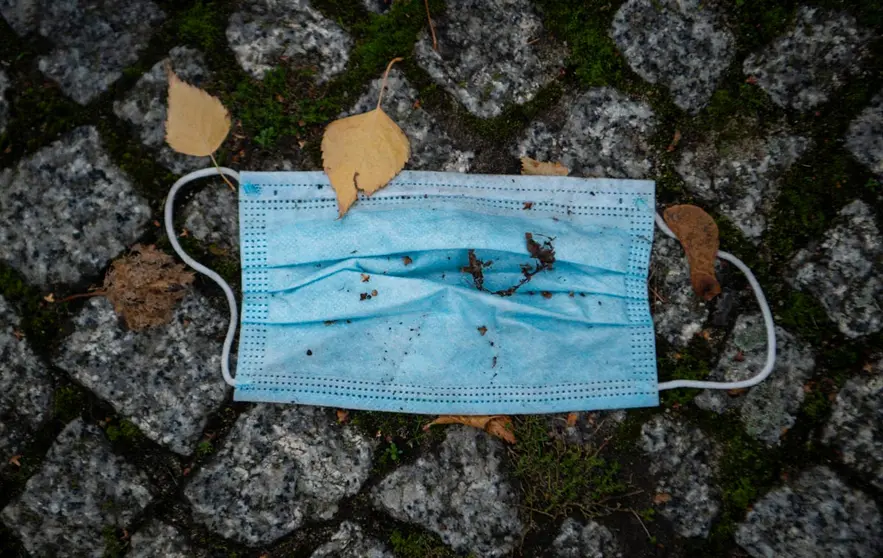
487, 55
67, 210
282, 465
681, 44
81, 491
815, 516
461, 494
165, 379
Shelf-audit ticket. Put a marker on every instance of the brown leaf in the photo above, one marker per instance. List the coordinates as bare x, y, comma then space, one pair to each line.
495, 425
342, 415
407, 260
482, 330
662, 498
537, 168
49, 298
698, 234
16, 460
571, 419
674, 141
365, 278
197, 123
363, 152
145, 285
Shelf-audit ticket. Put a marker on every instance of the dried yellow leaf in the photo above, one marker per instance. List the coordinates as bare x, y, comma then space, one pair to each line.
495, 425
533, 167
363, 152
197, 123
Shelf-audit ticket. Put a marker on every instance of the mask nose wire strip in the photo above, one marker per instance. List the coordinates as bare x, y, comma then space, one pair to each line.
170, 232
767, 322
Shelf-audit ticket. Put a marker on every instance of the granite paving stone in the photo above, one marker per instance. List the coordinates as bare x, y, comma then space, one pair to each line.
93, 42
804, 67
165, 379
681, 44
488, 55
461, 493
843, 270
265, 34
81, 490
68, 211
282, 465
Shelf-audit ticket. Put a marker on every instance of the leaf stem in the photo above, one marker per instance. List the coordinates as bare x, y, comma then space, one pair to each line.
385, 76
212, 155
431, 26
83, 295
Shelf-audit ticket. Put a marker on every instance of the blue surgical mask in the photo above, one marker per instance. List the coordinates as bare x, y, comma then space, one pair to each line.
445, 293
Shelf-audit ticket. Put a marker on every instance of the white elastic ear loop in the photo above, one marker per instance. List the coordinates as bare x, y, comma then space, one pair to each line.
231, 300
767, 322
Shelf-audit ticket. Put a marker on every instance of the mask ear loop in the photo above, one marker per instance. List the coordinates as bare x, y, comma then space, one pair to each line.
231, 299
767, 322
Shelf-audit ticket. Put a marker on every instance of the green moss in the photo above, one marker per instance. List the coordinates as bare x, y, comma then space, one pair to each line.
418, 545
746, 470
593, 59
113, 544
558, 478
691, 363
804, 315
204, 449
760, 21
67, 403
124, 431
202, 25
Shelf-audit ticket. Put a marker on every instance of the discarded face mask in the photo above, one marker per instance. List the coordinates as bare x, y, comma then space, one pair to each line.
448, 293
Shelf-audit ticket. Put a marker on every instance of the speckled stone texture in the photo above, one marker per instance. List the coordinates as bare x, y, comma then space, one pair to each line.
268, 33
4, 104
350, 542
844, 271
25, 385
431, 148
144, 107
377, 6
769, 409
591, 540
865, 136
212, 216
281, 465
165, 379
158, 540
683, 460
681, 44
804, 67
601, 133
94, 41
856, 424
81, 489
461, 494
678, 314
740, 178
488, 57
67, 211
816, 516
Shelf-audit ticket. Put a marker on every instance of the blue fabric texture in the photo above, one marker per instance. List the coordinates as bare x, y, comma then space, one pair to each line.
374, 311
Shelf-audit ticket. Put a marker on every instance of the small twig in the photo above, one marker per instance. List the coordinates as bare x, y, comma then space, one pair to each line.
217, 166
533, 41
82, 295
385, 76
431, 26
641, 521
658, 296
